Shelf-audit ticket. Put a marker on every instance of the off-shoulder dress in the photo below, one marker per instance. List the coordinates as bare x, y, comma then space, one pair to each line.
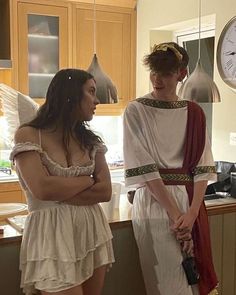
62, 244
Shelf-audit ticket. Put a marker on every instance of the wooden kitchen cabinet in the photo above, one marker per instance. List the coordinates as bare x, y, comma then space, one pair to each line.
10, 192
223, 240
115, 47
5, 48
43, 45
54, 34
5, 44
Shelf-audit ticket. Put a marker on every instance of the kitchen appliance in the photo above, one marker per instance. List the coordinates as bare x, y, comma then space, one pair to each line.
5, 170
233, 184
226, 181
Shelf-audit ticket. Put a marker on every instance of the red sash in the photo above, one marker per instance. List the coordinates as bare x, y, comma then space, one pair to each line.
194, 146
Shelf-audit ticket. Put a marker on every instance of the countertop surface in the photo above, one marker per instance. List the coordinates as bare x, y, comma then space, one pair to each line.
121, 216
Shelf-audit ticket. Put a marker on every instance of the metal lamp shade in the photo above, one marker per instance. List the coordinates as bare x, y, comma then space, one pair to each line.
199, 87
106, 90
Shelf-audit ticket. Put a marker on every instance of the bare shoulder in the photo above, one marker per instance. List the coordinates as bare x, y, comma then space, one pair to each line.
27, 134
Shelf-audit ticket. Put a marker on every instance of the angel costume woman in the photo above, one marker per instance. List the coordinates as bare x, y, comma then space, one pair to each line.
66, 246
168, 159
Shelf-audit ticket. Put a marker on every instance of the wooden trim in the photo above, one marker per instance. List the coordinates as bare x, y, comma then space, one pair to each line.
14, 42
6, 76
101, 7
70, 32
39, 101
9, 186
62, 3
115, 109
102, 109
120, 224
117, 3
133, 54
73, 29
221, 209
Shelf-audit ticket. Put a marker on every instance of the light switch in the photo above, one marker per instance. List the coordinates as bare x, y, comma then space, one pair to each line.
232, 138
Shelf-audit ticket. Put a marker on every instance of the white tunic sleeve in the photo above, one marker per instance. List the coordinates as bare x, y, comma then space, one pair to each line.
140, 166
205, 169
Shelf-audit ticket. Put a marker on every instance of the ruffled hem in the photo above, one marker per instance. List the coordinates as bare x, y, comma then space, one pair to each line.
64, 232
62, 245
54, 276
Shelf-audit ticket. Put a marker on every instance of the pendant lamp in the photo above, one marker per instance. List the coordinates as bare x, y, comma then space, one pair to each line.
106, 90
199, 86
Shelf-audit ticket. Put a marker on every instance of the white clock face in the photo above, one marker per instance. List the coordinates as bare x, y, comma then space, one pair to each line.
226, 54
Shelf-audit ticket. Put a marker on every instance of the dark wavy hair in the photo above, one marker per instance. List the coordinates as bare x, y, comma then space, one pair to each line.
64, 93
166, 61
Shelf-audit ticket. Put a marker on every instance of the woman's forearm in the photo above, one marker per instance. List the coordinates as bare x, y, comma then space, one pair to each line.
99, 192
161, 194
59, 188
48, 187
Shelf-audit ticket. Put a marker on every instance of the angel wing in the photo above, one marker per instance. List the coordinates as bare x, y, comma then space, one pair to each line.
17, 109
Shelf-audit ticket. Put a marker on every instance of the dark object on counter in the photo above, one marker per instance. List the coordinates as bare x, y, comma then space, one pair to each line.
190, 270
223, 168
223, 183
130, 196
218, 195
233, 184
6, 170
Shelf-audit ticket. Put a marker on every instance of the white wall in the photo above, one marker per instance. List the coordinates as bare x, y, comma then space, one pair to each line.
154, 16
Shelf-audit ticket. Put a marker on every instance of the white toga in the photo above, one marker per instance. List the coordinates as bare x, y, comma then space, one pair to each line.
154, 136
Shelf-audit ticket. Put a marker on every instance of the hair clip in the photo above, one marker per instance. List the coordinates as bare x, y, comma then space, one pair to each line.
165, 46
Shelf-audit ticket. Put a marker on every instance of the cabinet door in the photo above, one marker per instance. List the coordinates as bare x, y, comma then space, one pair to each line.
11, 192
115, 48
43, 46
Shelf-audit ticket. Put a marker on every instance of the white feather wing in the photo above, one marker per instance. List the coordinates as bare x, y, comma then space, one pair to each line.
17, 109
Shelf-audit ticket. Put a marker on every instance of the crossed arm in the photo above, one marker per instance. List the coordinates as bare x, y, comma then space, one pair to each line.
79, 190
100, 191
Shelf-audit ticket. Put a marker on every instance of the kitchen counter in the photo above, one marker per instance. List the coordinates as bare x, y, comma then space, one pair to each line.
221, 206
125, 277
121, 217
4, 177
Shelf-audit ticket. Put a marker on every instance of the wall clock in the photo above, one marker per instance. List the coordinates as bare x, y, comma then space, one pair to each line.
226, 53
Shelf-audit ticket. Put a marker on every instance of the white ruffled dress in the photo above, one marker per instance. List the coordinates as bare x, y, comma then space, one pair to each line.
62, 244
